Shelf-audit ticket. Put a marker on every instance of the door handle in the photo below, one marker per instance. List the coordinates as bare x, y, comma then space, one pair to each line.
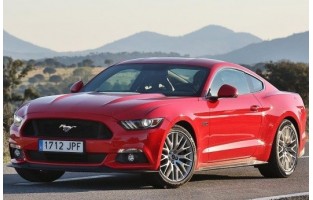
254, 108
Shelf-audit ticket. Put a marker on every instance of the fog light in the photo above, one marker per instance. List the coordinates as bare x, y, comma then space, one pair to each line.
131, 157
17, 153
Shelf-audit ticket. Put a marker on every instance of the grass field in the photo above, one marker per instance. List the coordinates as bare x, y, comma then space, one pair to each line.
63, 72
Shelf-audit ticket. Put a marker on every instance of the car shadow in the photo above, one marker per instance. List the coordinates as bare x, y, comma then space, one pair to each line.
211, 177
13, 184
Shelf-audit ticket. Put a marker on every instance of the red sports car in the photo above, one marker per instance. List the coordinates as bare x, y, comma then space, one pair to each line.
167, 117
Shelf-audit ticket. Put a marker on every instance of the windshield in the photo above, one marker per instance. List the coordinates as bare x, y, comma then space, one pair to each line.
167, 79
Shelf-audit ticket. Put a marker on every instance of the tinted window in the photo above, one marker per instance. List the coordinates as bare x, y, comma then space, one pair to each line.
192, 77
121, 81
168, 79
255, 84
231, 77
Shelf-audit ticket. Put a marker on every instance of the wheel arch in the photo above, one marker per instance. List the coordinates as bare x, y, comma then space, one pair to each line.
270, 140
275, 168
294, 122
189, 128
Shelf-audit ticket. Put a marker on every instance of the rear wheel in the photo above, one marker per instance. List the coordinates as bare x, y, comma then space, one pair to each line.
178, 159
284, 155
39, 175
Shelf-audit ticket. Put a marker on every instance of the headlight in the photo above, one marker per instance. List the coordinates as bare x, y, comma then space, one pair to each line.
141, 124
17, 120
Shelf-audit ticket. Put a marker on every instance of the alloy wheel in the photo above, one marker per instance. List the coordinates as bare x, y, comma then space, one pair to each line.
287, 148
177, 157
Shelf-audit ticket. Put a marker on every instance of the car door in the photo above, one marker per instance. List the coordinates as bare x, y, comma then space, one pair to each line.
234, 123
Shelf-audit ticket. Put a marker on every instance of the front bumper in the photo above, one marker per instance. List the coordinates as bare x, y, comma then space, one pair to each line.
148, 141
75, 168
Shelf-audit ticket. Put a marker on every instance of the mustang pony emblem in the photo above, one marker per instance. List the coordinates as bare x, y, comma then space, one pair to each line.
66, 128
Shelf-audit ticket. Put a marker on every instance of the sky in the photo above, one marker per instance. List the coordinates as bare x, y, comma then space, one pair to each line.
71, 25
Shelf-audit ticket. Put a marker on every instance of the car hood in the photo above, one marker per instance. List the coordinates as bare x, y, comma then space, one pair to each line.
109, 104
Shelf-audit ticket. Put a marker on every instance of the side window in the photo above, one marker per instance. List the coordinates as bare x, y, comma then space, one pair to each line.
121, 81
187, 74
186, 78
231, 77
255, 84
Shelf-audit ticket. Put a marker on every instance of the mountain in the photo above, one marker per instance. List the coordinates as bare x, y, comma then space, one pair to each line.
17, 48
211, 40
294, 48
216, 41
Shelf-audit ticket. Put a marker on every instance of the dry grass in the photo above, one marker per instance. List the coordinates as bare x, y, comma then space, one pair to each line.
97, 70
6, 153
63, 72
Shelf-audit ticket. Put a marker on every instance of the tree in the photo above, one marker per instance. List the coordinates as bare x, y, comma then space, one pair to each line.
13, 72
87, 62
108, 62
36, 78
289, 76
30, 93
32, 80
83, 73
51, 62
79, 72
73, 65
55, 79
39, 77
49, 70
31, 62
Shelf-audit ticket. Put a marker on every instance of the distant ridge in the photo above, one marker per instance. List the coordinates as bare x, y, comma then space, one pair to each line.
294, 48
211, 39
17, 48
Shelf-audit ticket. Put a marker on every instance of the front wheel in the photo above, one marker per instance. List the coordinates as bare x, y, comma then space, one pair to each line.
33, 175
178, 159
284, 155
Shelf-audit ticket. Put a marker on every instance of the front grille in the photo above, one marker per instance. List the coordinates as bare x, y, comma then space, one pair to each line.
54, 128
90, 158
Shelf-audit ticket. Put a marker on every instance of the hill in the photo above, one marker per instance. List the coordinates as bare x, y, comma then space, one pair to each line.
17, 48
211, 39
294, 48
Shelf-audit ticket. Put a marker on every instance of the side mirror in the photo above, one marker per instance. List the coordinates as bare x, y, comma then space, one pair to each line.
227, 91
76, 87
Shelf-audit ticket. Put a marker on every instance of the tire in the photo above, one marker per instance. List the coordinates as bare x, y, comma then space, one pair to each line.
178, 159
284, 154
39, 175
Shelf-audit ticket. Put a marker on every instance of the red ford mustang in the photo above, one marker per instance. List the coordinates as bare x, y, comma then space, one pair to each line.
168, 117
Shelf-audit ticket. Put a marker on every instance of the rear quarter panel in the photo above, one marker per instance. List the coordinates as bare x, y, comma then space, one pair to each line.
278, 106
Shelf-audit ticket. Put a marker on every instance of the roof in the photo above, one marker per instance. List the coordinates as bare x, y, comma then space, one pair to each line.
175, 60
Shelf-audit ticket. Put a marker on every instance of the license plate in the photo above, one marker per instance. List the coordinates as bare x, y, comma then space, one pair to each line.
61, 146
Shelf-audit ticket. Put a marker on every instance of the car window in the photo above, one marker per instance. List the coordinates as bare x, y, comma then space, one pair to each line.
231, 77
182, 78
168, 79
255, 84
121, 81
